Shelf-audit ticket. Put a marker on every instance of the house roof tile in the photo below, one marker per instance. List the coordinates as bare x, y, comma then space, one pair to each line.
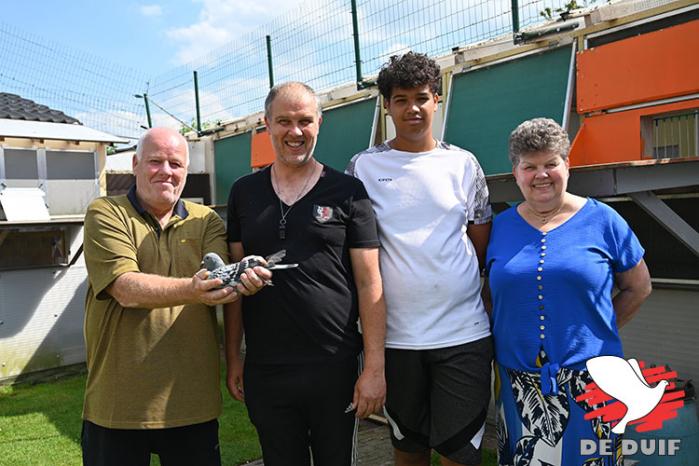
14, 107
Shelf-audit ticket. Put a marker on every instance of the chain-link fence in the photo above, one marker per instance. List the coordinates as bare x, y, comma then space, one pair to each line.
314, 43
92, 89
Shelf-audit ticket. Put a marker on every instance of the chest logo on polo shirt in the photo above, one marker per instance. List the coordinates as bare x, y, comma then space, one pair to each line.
322, 213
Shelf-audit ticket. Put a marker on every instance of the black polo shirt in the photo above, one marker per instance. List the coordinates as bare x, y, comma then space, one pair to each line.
311, 312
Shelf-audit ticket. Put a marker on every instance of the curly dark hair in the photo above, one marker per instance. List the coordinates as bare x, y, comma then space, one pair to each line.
409, 71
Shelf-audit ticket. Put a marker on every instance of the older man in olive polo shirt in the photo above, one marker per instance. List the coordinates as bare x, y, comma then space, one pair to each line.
150, 328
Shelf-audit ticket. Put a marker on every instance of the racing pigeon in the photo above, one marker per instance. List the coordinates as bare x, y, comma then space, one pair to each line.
230, 274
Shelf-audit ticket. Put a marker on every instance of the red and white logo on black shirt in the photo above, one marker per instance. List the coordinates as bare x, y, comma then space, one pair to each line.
322, 213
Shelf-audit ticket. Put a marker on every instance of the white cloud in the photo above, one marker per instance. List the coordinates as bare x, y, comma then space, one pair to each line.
198, 40
119, 122
221, 21
151, 10
311, 42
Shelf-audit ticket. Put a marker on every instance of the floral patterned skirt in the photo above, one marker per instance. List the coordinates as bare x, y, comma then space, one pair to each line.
542, 430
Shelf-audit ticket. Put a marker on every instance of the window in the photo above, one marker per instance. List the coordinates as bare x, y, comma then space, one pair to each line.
673, 135
21, 164
24, 247
70, 165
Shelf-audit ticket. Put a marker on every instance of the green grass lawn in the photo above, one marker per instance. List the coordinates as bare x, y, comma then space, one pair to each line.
40, 425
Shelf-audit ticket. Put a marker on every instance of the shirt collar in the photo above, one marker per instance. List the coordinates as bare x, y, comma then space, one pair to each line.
180, 210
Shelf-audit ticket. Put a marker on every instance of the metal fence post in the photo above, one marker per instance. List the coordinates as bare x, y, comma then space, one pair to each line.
196, 101
357, 54
270, 69
145, 99
515, 16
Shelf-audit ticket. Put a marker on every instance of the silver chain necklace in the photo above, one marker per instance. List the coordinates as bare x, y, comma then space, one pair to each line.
282, 220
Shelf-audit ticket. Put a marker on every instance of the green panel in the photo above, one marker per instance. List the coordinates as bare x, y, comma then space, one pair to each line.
344, 132
488, 103
232, 160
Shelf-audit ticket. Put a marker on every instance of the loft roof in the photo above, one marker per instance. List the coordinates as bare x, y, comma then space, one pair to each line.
14, 107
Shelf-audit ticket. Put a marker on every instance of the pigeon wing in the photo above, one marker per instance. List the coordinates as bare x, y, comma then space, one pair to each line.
637, 369
229, 274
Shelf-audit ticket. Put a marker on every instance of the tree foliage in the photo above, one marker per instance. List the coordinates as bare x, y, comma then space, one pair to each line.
548, 13
208, 124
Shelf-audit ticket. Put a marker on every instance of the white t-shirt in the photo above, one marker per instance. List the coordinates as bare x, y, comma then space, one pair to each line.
423, 203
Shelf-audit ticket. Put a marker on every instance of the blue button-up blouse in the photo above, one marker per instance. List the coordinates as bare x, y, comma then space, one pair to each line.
553, 290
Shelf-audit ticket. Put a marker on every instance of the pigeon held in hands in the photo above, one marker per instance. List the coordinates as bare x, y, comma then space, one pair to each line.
230, 274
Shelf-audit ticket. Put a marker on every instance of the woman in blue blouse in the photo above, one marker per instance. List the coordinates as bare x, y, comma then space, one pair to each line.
553, 262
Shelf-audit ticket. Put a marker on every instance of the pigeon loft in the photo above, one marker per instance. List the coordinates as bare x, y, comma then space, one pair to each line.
51, 168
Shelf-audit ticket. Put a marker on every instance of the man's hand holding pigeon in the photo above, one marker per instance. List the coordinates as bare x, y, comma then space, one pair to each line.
255, 278
213, 290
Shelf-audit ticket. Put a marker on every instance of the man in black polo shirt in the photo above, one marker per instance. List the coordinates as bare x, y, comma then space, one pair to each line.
301, 335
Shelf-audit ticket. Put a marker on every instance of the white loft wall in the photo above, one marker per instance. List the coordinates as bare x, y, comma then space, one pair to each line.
41, 311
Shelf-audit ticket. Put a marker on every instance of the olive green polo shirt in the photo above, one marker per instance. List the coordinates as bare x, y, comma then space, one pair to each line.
149, 368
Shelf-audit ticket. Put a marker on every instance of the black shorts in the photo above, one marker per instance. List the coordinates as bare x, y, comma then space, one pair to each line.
297, 407
176, 446
439, 399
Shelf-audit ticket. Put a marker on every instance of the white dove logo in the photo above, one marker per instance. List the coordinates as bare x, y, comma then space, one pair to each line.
624, 381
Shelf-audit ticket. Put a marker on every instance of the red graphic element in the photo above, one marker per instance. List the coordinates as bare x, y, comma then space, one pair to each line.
614, 411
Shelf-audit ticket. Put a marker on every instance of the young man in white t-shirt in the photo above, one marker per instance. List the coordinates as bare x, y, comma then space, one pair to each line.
431, 203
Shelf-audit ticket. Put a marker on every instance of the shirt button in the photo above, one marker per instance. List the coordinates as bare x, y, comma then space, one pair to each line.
543, 254
542, 318
542, 336
541, 297
541, 307
540, 287
541, 261
543, 233
538, 277
543, 248
540, 269
543, 240
542, 327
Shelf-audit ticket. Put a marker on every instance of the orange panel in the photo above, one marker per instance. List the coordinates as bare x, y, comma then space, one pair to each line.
644, 68
262, 152
616, 137
577, 147
608, 138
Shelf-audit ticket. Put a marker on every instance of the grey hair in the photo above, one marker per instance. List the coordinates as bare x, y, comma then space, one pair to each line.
283, 87
147, 134
538, 135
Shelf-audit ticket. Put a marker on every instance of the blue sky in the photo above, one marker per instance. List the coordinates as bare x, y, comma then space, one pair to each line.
149, 36
89, 58
55, 52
